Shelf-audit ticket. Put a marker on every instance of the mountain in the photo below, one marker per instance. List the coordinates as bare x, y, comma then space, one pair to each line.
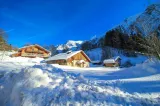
120, 37
69, 45
144, 23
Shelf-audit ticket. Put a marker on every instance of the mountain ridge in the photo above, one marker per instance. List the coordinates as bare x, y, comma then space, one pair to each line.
142, 24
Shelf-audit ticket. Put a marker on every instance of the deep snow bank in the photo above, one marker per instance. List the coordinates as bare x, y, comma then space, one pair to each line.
45, 85
140, 70
15, 64
5, 57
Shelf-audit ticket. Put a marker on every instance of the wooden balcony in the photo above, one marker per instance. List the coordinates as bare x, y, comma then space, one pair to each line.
33, 55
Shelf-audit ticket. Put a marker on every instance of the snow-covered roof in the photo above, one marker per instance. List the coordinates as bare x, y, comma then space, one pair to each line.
65, 56
109, 61
112, 60
35, 45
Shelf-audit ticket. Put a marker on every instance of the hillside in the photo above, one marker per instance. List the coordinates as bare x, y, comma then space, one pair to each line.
144, 23
124, 37
129, 35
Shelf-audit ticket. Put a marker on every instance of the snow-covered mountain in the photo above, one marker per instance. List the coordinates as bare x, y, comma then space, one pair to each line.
144, 23
69, 45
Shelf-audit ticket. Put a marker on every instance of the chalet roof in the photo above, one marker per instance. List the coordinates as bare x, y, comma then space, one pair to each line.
35, 45
65, 56
112, 60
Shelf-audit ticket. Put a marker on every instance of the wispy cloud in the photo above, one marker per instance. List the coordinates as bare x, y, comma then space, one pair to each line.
10, 30
7, 31
15, 17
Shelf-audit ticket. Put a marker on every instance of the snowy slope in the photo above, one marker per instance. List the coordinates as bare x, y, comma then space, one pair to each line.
96, 55
71, 45
144, 23
8, 64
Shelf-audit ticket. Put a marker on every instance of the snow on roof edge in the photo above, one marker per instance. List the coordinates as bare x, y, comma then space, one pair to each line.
112, 60
35, 45
65, 56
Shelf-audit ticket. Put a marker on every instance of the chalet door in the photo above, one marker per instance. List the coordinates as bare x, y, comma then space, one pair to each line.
72, 63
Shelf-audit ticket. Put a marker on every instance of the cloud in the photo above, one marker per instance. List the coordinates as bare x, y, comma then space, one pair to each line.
7, 31
15, 17
10, 30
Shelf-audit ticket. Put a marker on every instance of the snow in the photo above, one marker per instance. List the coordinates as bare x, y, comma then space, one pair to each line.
41, 84
112, 60
64, 56
94, 54
8, 64
109, 61
35, 45
144, 23
71, 45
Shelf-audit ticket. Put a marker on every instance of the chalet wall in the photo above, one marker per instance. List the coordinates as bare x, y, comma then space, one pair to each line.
112, 64
75, 64
60, 62
73, 61
78, 56
78, 60
32, 51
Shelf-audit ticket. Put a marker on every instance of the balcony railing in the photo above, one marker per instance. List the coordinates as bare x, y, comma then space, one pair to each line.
33, 55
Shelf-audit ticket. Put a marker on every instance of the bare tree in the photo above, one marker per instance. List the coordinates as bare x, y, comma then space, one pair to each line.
153, 45
152, 42
3, 39
3, 42
53, 50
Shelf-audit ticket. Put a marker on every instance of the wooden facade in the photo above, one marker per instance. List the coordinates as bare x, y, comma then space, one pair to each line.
32, 51
80, 59
115, 62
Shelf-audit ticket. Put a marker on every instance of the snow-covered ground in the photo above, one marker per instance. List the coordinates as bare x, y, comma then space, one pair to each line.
29, 82
96, 55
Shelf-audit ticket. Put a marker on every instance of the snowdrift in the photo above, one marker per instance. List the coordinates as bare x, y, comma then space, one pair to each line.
43, 84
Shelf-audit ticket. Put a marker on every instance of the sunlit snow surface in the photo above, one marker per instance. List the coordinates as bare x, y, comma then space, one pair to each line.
29, 82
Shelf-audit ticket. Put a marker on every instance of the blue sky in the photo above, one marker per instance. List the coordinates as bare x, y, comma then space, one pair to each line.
48, 22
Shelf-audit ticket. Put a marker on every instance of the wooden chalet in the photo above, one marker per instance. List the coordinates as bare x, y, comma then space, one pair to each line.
75, 59
32, 51
113, 62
